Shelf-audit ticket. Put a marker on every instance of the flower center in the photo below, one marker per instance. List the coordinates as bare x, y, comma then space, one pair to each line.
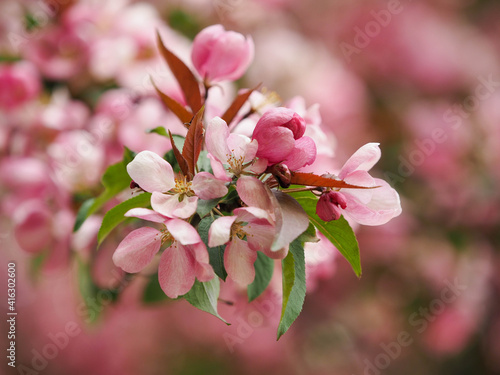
238, 231
182, 186
235, 164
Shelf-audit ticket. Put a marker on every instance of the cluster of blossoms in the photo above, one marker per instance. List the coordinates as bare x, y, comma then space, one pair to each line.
242, 173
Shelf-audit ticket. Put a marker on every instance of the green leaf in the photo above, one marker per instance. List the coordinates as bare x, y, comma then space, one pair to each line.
216, 254
204, 162
160, 130
205, 206
338, 232
204, 296
114, 180
83, 213
294, 286
264, 267
153, 292
116, 215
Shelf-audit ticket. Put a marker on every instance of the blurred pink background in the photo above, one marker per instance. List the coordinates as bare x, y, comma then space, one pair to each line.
420, 77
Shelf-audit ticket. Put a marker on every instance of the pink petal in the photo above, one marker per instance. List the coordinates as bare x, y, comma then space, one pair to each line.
360, 178
259, 166
384, 205
137, 249
146, 214
363, 159
249, 214
239, 260
183, 232
176, 271
170, 206
202, 47
241, 147
304, 153
275, 144
206, 186
291, 220
151, 172
218, 169
204, 271
260, 235
279, 254
220, 231
216, 139
253, 192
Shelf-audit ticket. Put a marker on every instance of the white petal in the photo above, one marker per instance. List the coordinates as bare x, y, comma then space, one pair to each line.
151, 172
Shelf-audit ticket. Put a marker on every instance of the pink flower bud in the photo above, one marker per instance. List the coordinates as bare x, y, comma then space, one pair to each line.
220, 55
330, 205
279, 133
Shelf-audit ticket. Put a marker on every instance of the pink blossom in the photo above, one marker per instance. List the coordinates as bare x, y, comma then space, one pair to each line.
184, 259
366, 206
280, 133
231, 154
172, 197
220, 55
19, 83
269, 223
247, 231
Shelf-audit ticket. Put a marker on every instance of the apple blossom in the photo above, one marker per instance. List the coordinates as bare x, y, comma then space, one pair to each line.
184, 259
220, 55
172, 197
366, 206
280, 135
231, 154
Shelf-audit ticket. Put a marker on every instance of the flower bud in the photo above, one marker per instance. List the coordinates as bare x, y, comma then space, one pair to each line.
276, 133
220, 55
330, 204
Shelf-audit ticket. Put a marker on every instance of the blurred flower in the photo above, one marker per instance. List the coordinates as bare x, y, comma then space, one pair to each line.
19, 83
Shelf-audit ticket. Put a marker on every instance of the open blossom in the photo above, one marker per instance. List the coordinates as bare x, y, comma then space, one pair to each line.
220, 55
231, 154
366, 206
268, 223
172, 197
280, 134
185, 258
244, 233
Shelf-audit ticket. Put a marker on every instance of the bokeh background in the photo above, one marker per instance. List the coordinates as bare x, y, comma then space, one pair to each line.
420, 77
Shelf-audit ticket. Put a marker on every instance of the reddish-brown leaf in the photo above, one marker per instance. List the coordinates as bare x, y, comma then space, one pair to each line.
194, 141
183, 164
310, 179
187, 80
236, 105
177, 108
